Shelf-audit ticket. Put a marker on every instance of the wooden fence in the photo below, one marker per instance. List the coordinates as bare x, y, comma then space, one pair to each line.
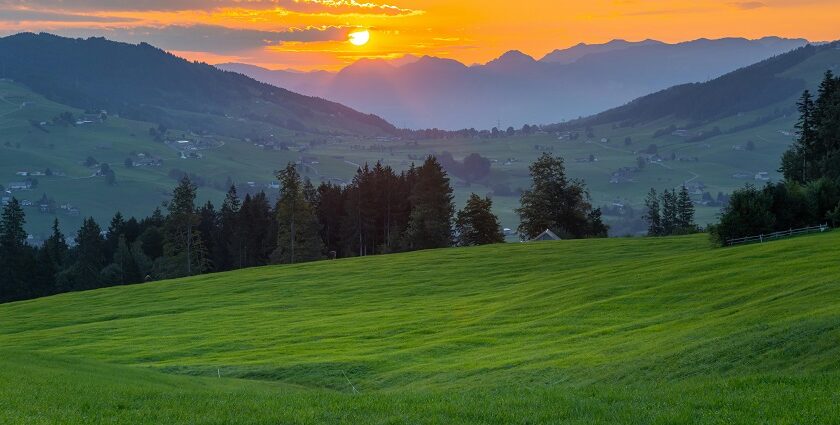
778, 235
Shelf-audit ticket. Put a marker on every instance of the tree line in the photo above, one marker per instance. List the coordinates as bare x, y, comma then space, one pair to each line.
381, 211
810, 193
671, 213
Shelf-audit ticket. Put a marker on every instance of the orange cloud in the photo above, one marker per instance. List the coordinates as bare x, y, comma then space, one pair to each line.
467, 30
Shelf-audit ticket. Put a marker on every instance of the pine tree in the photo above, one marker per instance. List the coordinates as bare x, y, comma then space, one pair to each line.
51, 259
228, 247
208, 228
13, 252
476, 224
652, 216
298, 236
183, 247
115, 229
430, 223
90, 259
669, 212
258, 231
685, 213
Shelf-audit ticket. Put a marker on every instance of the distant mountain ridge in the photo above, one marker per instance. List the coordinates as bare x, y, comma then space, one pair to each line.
516, 89
145, 83
759, 86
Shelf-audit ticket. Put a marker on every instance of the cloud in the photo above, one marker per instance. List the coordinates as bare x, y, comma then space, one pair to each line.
302, 6
25, 15
748, 5
210, 38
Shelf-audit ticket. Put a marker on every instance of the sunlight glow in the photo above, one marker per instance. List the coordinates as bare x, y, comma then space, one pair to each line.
359, 38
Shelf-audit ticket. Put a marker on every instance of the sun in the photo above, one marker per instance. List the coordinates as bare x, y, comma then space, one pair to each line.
359, 38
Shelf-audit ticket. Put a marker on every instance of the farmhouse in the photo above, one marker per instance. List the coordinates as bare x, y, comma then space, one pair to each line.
20, 186
548, 235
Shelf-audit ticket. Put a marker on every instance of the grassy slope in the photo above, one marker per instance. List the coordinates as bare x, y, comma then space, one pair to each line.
647, 331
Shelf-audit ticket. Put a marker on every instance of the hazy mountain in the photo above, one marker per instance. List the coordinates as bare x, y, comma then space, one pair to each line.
576, 52
146, 83
516, 89
770, 87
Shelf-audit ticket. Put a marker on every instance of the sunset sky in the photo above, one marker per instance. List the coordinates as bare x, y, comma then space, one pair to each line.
313, 34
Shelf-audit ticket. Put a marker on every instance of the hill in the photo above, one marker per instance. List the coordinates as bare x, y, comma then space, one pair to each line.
516, 89
144, 83
596, 331
748, 89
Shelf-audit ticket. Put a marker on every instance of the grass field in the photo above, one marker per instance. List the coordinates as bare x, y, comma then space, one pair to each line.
597, 331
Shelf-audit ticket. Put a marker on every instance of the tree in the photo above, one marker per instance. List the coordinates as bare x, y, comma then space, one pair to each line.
183, 246
749, 213
258, 231
652, 216
298, 238
476, 224
228, 247
89, 256
669, 212
685, 213
555, 203
430, 221
115, 230
13, 252
208, 226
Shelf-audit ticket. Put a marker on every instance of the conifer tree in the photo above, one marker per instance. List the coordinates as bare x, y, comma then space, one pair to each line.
13, 273
228, 246
685, 212
669, 212
89, 253
652, 215
430, 223
183, 247
298, 238
476, 224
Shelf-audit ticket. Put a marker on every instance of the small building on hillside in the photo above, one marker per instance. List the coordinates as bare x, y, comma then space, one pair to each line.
548, 235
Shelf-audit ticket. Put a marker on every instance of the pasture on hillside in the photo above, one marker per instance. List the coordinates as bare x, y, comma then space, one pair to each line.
665, 330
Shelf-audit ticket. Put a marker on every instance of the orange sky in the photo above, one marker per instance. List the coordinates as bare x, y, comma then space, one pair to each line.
311, 34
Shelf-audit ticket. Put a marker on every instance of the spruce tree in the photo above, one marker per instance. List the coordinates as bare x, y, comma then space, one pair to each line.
208, 227
115, 229
13, 275
476, 224
685, 212
669, 212
183, 248
430, 222
298, 233
228, 247
89, 255
652, 215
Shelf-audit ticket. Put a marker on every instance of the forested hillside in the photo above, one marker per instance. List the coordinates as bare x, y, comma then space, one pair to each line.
145, 83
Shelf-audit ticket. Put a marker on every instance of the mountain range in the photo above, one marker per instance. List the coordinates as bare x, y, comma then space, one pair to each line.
517, 89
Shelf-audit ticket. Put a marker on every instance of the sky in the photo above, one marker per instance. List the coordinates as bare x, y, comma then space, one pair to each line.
313, 34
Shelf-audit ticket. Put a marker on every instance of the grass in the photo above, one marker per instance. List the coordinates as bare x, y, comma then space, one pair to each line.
599, 331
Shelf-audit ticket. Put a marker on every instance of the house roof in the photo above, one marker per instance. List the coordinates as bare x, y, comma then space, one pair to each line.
547, 235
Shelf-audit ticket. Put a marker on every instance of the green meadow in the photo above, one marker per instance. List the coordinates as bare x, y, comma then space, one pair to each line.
642, 331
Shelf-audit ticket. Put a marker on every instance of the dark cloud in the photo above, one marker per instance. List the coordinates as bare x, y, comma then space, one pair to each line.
209, 38
20, 15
